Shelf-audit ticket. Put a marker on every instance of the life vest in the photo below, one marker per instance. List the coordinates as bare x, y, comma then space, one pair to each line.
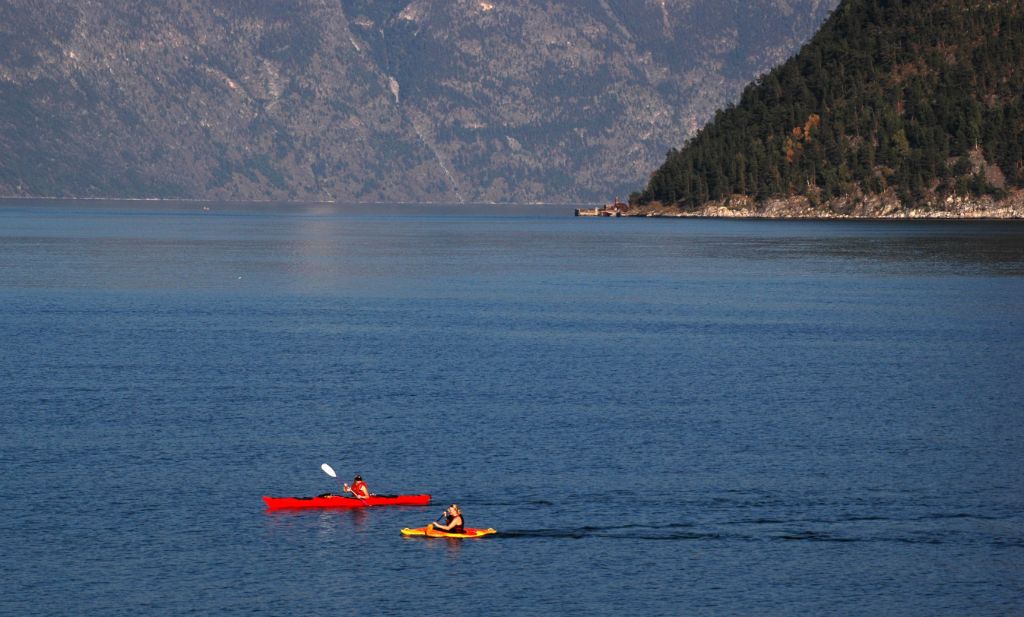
358, 488
461, 528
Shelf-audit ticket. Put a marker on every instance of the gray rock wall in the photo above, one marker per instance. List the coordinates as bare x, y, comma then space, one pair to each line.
353, 100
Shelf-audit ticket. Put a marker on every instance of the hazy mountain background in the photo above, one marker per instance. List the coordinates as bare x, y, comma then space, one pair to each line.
354, 100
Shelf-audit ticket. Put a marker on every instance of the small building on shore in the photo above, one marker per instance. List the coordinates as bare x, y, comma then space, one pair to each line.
615, 208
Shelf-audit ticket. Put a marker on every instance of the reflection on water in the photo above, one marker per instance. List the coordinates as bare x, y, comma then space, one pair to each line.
324, 249
451, 546
359, 519
932, 247
972, 252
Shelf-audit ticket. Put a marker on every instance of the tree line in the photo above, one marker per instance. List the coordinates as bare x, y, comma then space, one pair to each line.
920, 97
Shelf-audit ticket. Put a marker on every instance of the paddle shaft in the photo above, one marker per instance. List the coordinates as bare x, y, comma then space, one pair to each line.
327, 469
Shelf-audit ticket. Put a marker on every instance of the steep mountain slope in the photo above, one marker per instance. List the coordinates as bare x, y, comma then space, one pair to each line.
365, 100
894, 105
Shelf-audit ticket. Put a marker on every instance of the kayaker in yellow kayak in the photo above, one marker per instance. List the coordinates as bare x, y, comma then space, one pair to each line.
453, 521
358, 489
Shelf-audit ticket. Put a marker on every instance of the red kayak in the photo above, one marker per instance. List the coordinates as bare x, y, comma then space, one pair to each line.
339, 501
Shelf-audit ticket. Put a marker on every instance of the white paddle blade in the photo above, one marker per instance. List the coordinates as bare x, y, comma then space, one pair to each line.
327, 470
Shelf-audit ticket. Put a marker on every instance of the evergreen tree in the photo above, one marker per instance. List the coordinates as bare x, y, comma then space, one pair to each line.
887, 95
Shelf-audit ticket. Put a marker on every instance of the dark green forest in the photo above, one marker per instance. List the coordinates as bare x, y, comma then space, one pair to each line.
920, 97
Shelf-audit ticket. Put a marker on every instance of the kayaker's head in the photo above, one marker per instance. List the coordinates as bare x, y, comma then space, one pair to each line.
454, 509
358, 478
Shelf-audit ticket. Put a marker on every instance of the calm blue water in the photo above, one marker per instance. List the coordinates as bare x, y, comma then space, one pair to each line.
660, 417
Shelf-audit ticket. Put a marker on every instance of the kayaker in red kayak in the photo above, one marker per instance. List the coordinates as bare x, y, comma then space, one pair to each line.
453, 521
358, 489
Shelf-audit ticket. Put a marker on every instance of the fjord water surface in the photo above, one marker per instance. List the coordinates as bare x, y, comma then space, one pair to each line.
661, 417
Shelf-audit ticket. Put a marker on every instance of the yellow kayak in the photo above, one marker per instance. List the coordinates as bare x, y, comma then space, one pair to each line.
430, 532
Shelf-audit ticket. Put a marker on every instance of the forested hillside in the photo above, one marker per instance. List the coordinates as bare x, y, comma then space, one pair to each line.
912, 102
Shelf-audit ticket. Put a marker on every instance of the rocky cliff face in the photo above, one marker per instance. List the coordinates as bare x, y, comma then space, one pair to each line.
359, 100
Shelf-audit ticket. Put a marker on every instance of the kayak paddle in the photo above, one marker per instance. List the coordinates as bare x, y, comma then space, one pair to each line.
327, 469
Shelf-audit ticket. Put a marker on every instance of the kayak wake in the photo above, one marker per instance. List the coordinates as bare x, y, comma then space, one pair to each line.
671, 531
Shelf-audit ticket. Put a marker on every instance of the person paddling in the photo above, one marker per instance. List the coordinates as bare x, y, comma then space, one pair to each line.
453, 521
358, 489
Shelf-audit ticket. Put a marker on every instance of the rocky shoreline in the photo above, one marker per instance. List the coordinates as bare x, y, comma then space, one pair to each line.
884, 206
